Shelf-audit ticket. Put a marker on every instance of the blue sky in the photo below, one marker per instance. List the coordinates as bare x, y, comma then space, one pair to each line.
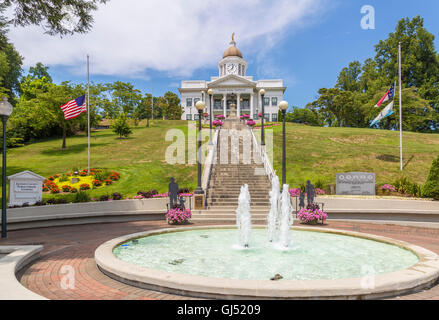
304, 42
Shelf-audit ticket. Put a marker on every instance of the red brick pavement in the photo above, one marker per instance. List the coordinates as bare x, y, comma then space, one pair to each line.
75, 246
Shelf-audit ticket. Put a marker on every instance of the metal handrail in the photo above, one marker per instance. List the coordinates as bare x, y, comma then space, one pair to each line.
208, 165
266, 161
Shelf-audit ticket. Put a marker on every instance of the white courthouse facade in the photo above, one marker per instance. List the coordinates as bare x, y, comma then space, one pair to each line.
232, 85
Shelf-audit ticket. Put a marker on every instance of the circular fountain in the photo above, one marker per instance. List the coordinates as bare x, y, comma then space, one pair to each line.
321, 263
291, 263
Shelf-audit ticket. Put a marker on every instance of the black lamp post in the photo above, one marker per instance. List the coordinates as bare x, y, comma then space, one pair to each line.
200, 107
262, 93
283, 106
5, 112
210, 93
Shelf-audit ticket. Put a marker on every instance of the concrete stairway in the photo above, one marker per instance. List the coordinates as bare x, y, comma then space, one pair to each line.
229, 174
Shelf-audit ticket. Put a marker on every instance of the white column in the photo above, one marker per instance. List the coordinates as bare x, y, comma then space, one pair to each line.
239, 104
252, 111
225, 105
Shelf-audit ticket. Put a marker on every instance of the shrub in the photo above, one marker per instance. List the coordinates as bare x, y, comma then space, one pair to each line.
251, 123
51, 201
121, 126
117, 196
81, 196
320, 184
431, 187
40, 203
388, 187
64, 178
108, 182
66, 188
148, 194
61, 201
73, 190
83, 173
101, 175
97, 183
104, 198
84, 186
295, 192
54, 189
114, 176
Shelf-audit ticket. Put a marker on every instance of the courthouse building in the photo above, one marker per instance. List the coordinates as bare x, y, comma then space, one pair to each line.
232, 85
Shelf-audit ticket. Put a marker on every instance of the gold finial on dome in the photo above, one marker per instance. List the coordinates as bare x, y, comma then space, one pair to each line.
232, 51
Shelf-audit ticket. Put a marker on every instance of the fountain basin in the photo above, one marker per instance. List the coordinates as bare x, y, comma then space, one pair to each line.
420, 272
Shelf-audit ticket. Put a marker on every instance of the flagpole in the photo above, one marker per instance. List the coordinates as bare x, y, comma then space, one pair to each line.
88, 110
400, 107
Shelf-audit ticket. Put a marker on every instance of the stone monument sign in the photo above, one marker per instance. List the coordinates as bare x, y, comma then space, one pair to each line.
356, 183
25, 187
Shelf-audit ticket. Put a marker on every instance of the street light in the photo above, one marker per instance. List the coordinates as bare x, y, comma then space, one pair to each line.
200, 107
5, 112
262, 93
210, 93
283, 106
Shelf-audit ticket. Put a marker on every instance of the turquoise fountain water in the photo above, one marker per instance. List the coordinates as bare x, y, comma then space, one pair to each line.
293, 254
312, 255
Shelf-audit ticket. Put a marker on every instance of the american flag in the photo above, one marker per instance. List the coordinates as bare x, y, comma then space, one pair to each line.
74, 108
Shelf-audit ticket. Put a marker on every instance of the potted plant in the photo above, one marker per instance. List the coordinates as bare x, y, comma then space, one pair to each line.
217, 124
312, 215
250, 123
178, 215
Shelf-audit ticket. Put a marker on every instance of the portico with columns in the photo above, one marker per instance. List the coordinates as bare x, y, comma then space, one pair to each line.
232, 85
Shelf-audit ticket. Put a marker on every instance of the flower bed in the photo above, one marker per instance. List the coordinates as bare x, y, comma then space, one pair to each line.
178, 216
312, 215
57, 183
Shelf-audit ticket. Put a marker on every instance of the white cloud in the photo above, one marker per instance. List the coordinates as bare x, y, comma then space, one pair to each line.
175, 36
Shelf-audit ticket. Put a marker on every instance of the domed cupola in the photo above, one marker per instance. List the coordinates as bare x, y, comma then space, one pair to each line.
232, 51
232, 62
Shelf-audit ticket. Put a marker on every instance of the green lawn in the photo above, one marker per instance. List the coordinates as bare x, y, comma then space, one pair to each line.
312, 153
140, 159
315, 152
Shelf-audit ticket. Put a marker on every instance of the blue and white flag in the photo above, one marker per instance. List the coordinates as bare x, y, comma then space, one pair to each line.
387, 111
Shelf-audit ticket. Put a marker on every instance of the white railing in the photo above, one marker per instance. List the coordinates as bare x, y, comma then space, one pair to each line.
261, 152
210, 160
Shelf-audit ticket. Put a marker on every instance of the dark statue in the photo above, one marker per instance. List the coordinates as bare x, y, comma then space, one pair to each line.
310, 192
302, 200
182, 201
173, 193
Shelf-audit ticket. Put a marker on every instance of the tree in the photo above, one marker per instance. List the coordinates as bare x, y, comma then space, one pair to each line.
431, 187
54, 15
420, 61
121, 126
125, 98
39, 72
303, 115
10, 69
170, 105
349, 78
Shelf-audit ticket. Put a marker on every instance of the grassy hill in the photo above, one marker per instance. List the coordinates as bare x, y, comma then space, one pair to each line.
312, 153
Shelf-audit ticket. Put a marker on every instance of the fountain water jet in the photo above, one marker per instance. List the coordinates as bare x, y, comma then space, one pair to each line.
286, 218
273, 215
243, 217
